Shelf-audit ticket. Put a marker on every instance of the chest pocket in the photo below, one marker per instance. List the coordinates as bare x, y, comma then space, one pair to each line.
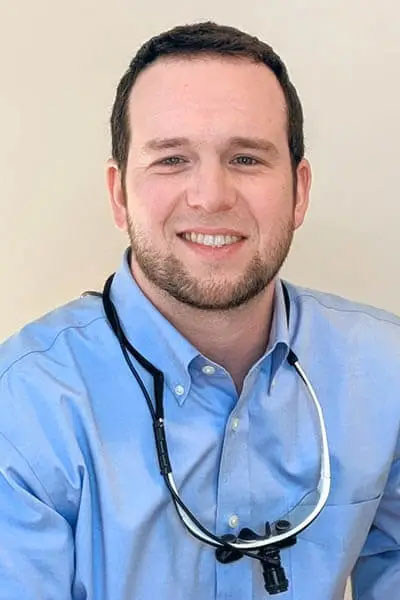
327, 550
339, 526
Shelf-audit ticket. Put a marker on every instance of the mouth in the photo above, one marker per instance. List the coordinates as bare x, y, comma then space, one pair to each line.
217, 246
219, 239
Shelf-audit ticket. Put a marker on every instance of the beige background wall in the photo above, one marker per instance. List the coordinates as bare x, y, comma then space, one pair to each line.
60, 63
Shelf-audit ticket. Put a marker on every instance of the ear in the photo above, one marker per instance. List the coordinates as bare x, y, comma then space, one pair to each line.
116, 194
302, 192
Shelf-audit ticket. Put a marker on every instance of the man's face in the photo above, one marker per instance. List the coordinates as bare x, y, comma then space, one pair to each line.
208, 197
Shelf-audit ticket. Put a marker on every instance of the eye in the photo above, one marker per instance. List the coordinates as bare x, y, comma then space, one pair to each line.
172, 161
247, 161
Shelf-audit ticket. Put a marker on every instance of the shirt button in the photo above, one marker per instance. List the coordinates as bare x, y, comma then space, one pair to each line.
235, 423
179, 390
208, 370
233, 521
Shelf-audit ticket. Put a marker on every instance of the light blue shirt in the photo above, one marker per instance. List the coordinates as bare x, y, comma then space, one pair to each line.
84, 511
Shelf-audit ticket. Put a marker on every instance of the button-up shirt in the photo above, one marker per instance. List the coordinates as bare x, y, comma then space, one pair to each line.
84, 511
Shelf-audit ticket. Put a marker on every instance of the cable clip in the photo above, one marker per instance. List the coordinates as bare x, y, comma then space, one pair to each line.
161, 445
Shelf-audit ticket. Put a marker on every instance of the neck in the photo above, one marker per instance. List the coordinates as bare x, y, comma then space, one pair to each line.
234, 339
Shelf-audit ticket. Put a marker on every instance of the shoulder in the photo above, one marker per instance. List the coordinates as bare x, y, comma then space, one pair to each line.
52, 332
344, 318
44, 396
327, 303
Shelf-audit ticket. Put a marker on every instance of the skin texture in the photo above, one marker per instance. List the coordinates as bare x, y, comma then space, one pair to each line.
210, 180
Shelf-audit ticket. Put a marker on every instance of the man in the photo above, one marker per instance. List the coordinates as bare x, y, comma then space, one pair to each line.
208, 178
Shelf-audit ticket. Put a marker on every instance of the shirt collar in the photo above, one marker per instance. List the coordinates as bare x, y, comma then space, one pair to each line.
279, 338
166, 348
151, 333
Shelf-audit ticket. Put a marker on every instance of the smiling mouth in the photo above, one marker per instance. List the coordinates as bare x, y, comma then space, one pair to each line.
214, 241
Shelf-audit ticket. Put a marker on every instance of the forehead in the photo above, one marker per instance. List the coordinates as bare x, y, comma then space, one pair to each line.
206, 96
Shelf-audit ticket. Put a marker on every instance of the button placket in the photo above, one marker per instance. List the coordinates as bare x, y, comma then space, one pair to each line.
234, 489
233, 505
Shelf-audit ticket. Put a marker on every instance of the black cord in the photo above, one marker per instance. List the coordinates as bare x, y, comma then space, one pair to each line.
157, 416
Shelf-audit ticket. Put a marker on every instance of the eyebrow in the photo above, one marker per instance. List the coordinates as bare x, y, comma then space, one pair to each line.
255, 143
164, 143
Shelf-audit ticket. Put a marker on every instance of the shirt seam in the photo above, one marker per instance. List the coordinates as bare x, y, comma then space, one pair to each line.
43, 351
9, 442
356, 310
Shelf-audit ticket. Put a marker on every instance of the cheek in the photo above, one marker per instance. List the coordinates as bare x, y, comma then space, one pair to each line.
273, 209
151, 203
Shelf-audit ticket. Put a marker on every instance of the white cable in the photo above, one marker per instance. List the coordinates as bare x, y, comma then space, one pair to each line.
323, 488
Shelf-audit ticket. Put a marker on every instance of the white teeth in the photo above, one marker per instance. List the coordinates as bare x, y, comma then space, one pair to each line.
210, 240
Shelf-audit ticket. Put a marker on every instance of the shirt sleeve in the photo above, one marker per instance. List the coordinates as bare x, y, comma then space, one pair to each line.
36, 542
376, 575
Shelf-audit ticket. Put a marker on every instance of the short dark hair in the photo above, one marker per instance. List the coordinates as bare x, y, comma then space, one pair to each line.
204, 38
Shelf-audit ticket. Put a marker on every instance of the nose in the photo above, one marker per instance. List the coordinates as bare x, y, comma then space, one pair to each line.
211, 188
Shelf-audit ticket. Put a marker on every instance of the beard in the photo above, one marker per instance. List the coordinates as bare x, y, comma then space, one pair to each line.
214, 292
